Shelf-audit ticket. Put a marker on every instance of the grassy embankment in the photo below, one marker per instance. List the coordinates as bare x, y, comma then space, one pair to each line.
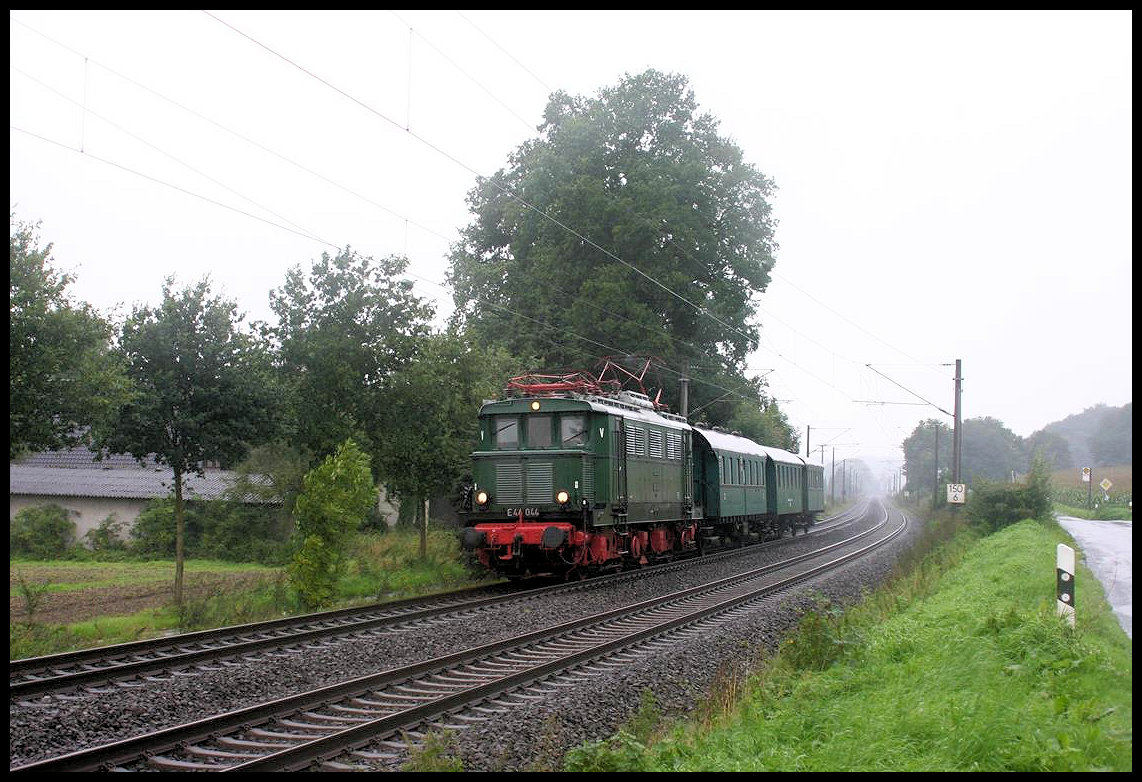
960, 664
107, 594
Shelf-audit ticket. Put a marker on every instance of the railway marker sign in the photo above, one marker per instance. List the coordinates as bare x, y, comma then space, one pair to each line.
1065, 581
957, 493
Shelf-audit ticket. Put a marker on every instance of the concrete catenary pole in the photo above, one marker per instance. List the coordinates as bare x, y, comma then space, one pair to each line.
936, 469
957, 435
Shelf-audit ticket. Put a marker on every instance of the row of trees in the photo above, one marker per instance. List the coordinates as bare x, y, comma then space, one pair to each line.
629, 226
352, 359
991, 452
1100, 436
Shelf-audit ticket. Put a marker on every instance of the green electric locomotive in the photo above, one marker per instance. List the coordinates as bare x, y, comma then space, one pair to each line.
573, 479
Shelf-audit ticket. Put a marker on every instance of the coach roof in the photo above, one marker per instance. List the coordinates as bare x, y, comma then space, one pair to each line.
734, 443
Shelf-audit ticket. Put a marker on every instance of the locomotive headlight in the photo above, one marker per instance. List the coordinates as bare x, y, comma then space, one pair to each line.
562, 497
481, 497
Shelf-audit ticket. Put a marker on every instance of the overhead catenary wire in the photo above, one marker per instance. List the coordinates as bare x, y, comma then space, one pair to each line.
703, 311
297, 230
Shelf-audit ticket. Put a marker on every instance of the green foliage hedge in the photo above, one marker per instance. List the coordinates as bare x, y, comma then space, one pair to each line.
221, 530
42, 532
229, 531
993, 505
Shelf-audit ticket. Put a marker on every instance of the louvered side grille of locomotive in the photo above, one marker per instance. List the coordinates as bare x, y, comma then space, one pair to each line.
509, 483
540, 483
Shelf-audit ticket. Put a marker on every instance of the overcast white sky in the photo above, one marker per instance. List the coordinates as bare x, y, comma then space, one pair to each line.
951, 185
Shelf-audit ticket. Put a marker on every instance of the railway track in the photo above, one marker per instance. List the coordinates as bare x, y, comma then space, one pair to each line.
135, 661
134, 664
345, 726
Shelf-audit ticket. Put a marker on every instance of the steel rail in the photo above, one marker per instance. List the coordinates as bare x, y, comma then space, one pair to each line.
423, 700
129, 662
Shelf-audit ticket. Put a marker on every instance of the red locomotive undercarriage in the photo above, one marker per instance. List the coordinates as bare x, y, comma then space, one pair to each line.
520, 547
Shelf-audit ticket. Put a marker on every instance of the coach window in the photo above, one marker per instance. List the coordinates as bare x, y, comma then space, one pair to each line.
573, 430
507, 432
539, 431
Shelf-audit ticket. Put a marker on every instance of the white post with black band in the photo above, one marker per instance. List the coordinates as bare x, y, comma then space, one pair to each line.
1065, 582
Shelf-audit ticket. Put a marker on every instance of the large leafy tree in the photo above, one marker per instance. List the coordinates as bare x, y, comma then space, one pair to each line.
629, 226
430, 416
990, 452
1051, 447
766, 425
63, 374
342, 330
201, 390
921, 458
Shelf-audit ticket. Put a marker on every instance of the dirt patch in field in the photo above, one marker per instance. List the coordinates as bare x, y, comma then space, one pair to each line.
81, 605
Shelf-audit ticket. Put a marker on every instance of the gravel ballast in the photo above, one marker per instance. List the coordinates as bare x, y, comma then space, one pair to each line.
679, 673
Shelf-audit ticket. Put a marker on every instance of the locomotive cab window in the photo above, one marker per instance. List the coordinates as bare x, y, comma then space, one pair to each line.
539, 431
506, 432
573, 430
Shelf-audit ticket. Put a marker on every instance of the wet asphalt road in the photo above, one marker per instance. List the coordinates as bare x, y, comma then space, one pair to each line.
1106, 548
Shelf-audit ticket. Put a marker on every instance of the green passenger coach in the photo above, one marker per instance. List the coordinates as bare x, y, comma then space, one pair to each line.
569, 480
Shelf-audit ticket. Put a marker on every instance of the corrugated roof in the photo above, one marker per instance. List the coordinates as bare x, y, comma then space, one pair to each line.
85, 457
111, 483
75, 472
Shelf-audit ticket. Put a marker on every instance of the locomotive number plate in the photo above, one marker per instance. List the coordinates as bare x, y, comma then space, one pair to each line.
529, 513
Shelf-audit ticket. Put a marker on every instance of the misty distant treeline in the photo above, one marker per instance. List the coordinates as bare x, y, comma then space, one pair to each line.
1100, 436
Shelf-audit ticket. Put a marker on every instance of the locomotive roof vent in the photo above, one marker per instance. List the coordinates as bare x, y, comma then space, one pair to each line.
637, 399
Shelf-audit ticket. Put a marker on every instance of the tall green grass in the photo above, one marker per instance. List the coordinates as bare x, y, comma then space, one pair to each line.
381, 567
960, 665
1101, 511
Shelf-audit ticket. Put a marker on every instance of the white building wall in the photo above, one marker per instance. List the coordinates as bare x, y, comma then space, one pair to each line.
86, 512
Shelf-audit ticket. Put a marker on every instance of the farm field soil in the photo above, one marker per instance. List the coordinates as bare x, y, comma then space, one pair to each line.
113, 590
